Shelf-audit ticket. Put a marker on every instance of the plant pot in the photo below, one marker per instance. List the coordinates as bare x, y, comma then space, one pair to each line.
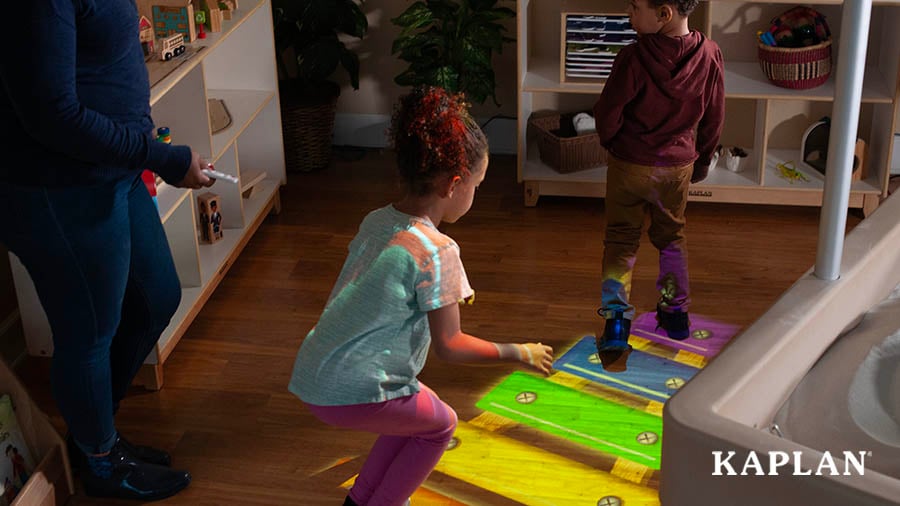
307, 121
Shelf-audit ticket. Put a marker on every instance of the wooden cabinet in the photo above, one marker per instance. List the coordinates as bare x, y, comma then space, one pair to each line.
237, 67
765, 120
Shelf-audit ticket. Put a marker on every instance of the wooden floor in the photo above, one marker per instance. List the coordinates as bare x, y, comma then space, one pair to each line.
225, 412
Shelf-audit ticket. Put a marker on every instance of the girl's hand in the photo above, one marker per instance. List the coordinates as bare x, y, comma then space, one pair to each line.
537, 355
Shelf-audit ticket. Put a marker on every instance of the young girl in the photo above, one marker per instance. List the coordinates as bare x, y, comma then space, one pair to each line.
398, 292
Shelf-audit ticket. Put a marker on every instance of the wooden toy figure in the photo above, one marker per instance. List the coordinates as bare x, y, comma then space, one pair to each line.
147, 36
210, 218
200, 19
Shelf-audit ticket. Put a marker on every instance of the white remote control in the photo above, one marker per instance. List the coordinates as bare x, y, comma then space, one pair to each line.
220, 175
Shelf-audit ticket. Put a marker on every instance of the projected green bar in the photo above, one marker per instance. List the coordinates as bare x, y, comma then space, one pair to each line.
591, 421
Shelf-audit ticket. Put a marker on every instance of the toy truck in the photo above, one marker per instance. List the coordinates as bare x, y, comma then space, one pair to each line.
171, 47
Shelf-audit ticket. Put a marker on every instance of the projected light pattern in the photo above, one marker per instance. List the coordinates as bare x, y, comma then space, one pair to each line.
580, 409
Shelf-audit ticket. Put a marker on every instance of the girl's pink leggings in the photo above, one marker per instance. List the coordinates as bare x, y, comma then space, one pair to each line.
414, 433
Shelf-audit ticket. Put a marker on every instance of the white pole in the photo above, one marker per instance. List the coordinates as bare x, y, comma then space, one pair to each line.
848, 83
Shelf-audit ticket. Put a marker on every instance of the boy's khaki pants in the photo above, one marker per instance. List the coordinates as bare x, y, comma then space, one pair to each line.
632, 190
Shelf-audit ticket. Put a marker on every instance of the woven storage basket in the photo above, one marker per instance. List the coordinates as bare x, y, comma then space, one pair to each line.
566, 154
308, 132
798, 68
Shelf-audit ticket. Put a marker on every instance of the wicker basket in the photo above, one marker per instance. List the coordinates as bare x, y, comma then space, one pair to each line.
308, 129
566, 154
798, 68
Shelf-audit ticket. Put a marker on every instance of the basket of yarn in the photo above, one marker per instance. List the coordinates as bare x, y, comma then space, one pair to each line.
796, 50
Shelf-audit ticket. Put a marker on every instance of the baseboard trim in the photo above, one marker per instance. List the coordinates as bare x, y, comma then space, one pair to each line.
370, 131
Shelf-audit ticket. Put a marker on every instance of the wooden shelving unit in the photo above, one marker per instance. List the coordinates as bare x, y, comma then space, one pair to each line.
236, 65
765, 120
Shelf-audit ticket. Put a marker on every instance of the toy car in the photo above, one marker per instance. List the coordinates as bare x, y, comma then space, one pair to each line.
171, 47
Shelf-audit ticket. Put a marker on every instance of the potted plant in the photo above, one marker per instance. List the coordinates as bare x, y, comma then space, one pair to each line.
450, 43
309, 53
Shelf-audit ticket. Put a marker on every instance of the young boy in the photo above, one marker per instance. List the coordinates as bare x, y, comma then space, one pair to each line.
659, 116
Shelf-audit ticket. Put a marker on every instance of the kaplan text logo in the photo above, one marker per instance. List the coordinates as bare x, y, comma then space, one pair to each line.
854, 463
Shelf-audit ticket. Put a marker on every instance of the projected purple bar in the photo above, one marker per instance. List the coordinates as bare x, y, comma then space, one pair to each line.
708, 336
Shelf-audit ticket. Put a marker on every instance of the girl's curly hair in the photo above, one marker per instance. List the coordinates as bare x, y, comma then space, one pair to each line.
434, 135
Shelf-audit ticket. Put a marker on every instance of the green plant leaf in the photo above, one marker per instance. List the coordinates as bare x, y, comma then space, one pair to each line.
481, 5
320, 59
475, 56
443, 9
409, 78
479, 86
311, 28
494, 14
446, 77
416, 16
351, 19
450, 43
413, 42
350, 62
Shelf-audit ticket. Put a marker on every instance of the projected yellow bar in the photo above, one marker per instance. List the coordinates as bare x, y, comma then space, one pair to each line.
421, 496
533, 476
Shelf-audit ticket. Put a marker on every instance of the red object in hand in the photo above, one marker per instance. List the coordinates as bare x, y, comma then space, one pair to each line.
149, 179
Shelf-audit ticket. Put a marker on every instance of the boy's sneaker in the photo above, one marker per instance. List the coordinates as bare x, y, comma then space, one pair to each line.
615, 334
613, 348
676, 324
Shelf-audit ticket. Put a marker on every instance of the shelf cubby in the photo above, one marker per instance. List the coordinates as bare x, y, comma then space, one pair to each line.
764, 119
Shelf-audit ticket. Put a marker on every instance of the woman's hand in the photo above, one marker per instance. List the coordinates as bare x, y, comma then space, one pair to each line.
195, 178
538, 356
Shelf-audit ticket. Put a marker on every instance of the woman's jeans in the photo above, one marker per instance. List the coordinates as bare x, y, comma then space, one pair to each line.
103, 271
632, 192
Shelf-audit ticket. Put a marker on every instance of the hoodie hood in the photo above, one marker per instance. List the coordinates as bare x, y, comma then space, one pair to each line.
671, 63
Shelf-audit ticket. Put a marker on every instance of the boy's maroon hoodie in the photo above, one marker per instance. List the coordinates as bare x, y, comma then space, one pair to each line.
660, 89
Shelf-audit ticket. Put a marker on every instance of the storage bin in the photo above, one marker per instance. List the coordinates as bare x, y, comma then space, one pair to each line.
798, 68
562, 153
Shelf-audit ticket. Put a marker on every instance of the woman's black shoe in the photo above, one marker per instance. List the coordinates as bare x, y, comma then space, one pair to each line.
147, 454
127, 477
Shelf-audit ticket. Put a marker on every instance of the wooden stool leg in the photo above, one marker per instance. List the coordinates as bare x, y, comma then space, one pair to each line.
150, 377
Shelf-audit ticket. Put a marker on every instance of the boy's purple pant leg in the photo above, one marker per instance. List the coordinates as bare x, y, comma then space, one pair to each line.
414, 433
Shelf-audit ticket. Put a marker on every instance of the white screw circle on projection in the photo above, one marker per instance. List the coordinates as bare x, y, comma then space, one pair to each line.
526, 397
609, 500
674, 383
701, 334
647, 438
